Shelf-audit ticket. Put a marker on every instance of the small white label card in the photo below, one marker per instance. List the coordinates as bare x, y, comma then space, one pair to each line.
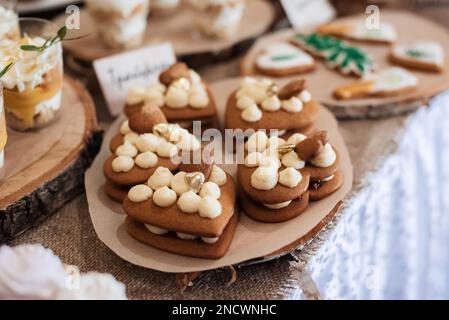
118, 73
306, 13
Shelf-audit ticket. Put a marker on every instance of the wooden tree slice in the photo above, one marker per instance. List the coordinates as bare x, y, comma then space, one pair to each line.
179, 29
323, 80
29, 196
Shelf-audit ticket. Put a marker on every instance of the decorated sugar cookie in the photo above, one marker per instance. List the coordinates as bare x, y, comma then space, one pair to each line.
180, 93
190, 212
359, 30
145, 143
260, 104
336, 53
422, 55
388, 82
282, 59
279, 176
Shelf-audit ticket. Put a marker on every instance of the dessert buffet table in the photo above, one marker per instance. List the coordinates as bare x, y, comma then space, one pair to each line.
322, 268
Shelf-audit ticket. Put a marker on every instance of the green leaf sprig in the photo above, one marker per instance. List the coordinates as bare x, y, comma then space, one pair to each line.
6, 69
59, 37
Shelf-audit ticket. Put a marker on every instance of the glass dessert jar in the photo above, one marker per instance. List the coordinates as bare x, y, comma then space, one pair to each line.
218, 18
9, 20
3, 135
120, 23
32, 88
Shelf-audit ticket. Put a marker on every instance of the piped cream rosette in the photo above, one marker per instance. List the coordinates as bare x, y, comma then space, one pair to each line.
121, 23
9, 24
33, 86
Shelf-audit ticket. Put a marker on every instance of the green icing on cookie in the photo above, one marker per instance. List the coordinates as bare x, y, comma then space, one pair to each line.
339, 54
417, 53
284, 57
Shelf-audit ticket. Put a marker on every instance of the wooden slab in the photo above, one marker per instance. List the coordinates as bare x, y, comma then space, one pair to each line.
178, 29
29, 196
323, 80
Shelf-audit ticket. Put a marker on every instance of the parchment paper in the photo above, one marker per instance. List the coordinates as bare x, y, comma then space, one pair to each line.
252, 239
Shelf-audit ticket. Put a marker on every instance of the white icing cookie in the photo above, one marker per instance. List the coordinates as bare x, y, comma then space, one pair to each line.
423, 55
387, 82
359, 30
283, 59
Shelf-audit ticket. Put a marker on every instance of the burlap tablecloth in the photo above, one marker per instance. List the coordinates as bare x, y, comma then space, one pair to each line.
69, 232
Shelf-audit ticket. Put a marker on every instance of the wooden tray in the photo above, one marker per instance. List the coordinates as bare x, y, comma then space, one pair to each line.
323, 80
177, 29
29, 196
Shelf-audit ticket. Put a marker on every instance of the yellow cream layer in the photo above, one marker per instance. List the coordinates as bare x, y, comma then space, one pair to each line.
3, 135
24, 103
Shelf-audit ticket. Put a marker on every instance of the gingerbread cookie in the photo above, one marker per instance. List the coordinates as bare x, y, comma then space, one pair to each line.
181, 94
147, 143
360, 30
279, 177
260, 104
419, 55
184, 213
385, 83
283, 59
336, 53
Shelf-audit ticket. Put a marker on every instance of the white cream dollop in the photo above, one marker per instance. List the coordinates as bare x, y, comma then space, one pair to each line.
131, 137
218, 176
146, 160
127, 150
271, 103
292, 105
166, 149
162, 177
186, 236
290, 177
178, 183
124, 128
147, 142
156, 230
210, 189
210, 240
257, 142
277, 206
326, 158
264, 178
176, 97
164, 197
252, 159
140, 193
292, 160
209, 208
244, 102
136, 95
122, 164
198, 98
252, 114
189, 202
296, 138
305, 96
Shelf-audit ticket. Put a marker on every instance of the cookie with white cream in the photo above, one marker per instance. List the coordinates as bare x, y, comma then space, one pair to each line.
388, 82
261, 104
188, 212
145, 142
180, 93
283, 59
419, 55
385, 32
